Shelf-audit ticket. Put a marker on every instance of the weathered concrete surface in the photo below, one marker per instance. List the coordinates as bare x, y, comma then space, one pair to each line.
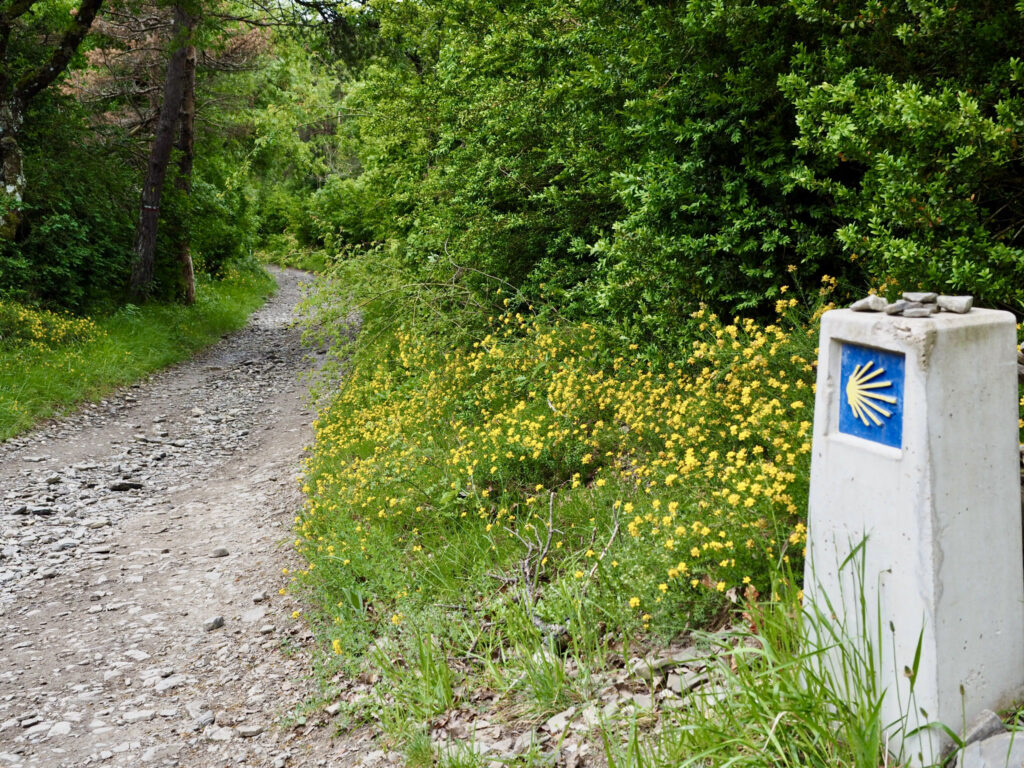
940, 510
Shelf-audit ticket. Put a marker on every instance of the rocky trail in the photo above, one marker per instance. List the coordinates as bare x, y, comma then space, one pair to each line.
142, 544
142, 541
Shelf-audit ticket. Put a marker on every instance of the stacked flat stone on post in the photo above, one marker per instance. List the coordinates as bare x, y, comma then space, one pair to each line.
959, 304
918, 309
921, 297
871, 303
920, 303
915, 304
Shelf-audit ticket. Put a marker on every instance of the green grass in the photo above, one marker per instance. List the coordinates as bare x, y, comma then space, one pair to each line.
40, 380
468, 499
285, 251
795, 690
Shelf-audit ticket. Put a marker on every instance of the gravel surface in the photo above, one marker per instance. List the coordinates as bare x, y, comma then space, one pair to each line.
142, 543
141, 546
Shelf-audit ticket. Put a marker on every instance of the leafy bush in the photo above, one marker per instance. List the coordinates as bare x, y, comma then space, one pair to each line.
342, 213
638, 159
75, 245
911, 120
223, 225
282, 210
26, 327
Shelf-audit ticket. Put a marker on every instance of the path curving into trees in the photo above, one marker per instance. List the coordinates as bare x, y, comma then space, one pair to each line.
125, 529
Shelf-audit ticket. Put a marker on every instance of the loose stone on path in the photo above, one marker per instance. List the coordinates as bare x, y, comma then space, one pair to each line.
109, 520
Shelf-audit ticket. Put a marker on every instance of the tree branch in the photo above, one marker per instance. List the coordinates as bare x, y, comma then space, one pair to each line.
16, 9
34, 82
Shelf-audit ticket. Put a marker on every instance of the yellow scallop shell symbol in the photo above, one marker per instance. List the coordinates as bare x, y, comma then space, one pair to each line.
862, 397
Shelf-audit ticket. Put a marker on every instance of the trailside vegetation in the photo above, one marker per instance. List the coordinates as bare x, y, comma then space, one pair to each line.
639, 158
51, 361
88, 138
582, 246
26, 69
546, 457
86, 142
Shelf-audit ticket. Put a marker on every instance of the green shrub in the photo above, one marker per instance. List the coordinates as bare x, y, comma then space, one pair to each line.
223, 225
633, 160
342, 213
74, 246
911, 120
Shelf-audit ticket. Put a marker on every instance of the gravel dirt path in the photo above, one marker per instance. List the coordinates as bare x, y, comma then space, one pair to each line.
142, 541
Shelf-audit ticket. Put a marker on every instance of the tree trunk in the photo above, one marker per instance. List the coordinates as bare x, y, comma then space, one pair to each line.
16, 93
11, 167
186, 148
159, 157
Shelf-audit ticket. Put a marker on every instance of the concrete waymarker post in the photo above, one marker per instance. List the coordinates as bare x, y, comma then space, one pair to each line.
916, 448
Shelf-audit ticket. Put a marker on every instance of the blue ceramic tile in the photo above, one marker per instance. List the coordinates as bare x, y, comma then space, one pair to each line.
871, 394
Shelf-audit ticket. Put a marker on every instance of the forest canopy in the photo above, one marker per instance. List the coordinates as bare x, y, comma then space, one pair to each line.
634, 159
629, 160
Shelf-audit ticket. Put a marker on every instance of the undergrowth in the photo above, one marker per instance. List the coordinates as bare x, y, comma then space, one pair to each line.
284, 250
541, 449
50, 361
517, 513
500, 519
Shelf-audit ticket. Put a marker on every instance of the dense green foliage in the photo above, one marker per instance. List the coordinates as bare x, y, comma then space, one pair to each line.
66, 333
86, 142
547, 216
911, 121
636, 158
75, 243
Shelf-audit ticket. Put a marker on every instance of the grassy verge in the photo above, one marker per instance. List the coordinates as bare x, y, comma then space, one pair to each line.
506, 522
603, 488
50, 362
499, 523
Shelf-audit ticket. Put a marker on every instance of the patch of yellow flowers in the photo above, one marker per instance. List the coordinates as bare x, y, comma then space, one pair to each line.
28, 328
688, 476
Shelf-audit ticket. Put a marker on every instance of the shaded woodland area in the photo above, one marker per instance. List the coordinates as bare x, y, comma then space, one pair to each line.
130, 135
635, 158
